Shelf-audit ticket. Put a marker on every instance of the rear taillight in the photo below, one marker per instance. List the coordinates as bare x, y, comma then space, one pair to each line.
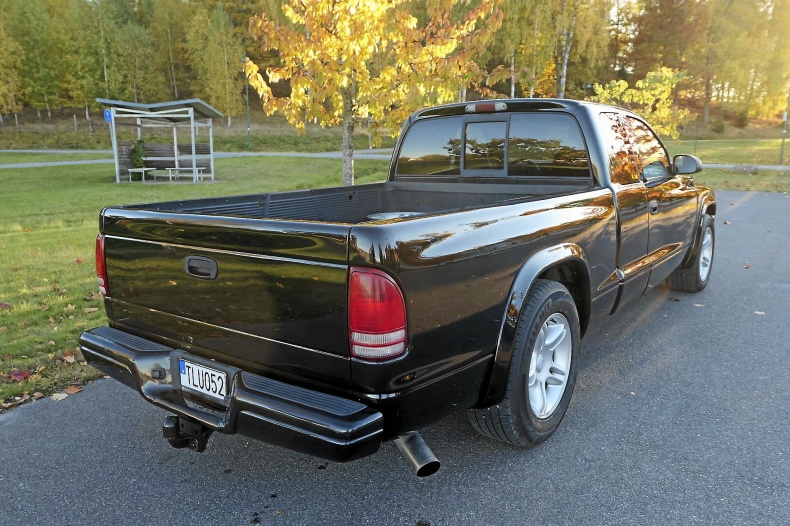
376, 315
101, 266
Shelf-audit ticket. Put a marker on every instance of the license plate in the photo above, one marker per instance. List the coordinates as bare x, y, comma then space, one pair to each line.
205, 380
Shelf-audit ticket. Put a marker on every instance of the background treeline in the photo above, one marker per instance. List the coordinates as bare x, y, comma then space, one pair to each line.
735, 54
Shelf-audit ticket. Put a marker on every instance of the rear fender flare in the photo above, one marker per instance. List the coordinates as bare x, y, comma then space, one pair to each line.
535, 266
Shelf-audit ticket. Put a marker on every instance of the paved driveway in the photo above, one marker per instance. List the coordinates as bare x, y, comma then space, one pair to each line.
681, 415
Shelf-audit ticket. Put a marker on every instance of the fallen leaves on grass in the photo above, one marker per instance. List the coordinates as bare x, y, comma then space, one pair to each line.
79, 261
5, 306
89, 310
20, 376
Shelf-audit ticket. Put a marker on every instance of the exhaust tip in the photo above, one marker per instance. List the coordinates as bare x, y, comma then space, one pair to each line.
418, 454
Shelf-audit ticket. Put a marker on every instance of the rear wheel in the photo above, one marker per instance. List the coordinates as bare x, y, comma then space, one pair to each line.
695, 277
542, 372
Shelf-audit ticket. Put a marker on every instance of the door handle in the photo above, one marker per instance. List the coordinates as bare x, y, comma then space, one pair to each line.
200, 267
653, 205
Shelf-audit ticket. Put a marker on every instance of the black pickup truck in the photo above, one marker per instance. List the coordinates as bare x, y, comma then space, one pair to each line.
328, 321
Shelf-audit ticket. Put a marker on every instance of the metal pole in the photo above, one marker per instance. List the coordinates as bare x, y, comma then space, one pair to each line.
114, 139
247, 92
784, 137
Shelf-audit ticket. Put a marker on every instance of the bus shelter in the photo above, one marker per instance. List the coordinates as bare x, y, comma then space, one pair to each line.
172, 160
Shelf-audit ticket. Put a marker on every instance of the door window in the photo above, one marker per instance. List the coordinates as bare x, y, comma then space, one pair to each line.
653, 158
623, 168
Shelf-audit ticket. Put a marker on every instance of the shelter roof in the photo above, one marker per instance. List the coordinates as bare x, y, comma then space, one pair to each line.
160, 110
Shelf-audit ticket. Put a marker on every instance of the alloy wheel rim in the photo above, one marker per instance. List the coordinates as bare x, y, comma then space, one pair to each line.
706, 254
549, 366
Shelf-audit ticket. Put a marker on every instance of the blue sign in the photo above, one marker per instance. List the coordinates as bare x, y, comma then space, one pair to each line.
108, 116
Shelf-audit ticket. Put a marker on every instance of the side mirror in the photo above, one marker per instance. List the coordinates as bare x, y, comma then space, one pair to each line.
686, 164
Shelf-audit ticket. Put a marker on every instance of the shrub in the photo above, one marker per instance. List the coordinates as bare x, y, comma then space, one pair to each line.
138, 155
741, 120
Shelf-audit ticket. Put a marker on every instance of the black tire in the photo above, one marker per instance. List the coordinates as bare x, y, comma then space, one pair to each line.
695, 276
514, 420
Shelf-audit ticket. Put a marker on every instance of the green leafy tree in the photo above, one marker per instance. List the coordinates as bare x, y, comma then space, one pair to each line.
11, 56
168, 29
523, 45
141, 81
215, 55
581, 38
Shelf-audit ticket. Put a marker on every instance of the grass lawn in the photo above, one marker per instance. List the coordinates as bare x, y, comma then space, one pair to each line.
48, 223
756, 151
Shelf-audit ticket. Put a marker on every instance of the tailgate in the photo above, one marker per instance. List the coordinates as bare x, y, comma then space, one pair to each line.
267, 296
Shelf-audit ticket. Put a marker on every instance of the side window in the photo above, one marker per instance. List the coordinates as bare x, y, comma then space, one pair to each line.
623, 167
546, 145
655, 164
432, 147
485, 146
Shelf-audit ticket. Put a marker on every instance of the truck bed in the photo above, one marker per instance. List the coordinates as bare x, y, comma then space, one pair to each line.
365, 203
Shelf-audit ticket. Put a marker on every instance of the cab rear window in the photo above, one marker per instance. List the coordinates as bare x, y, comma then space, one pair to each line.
516, 145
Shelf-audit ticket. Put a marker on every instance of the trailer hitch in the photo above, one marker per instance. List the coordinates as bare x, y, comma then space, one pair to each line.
181, 433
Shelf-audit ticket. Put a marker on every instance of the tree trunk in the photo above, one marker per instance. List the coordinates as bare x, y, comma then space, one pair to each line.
534, 80
348, 137
565, 50
513, 75
171, 64
88, 118
708, 90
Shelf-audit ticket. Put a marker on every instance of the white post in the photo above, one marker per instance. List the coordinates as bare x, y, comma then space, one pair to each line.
114, 140
211, 145
175, 145
192, 132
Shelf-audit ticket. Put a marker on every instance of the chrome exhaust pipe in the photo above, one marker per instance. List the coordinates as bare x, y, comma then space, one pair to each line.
418, 454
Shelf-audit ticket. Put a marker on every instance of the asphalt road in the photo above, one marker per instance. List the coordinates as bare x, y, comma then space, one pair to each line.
681, 415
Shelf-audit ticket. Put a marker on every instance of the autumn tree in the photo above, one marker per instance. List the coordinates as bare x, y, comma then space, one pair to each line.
651, 98
347, 60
